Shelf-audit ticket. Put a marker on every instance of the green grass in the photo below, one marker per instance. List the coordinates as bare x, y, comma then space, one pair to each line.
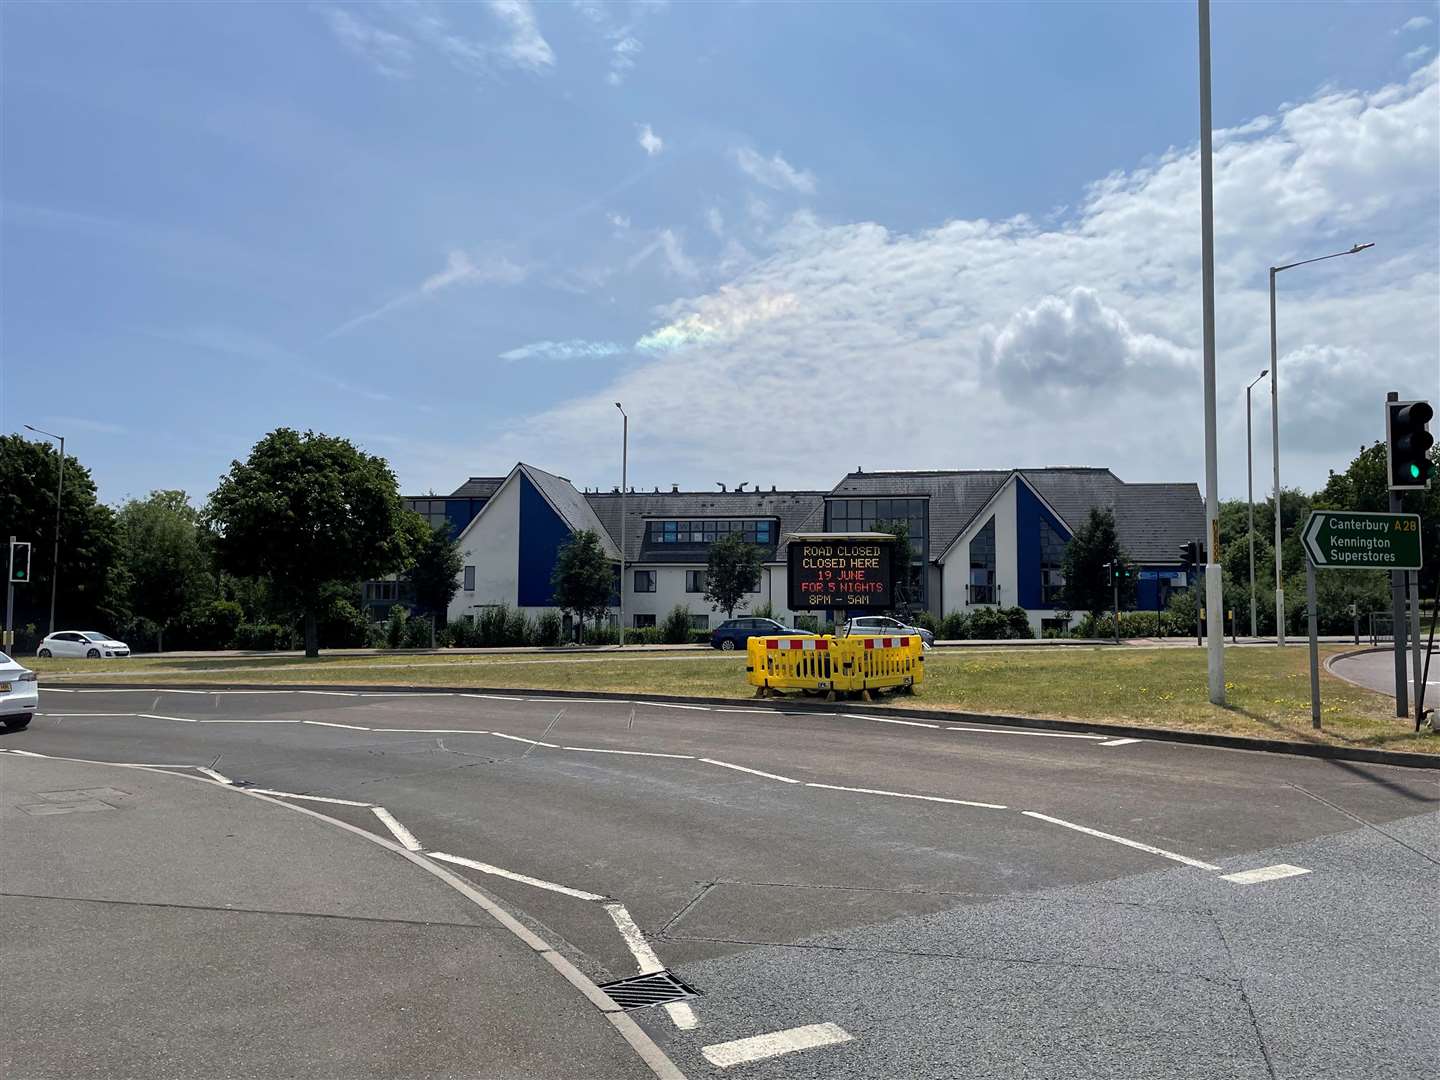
1268, 689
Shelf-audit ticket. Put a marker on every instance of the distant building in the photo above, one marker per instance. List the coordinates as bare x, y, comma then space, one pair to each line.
981, 537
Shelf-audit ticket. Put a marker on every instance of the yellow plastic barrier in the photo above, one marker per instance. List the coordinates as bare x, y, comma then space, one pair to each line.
827, 664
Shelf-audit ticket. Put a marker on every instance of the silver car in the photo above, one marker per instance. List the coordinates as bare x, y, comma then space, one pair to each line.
884, 626
19, 694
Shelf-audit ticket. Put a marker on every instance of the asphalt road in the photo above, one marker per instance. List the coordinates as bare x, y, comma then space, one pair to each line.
1376, 671
921, 899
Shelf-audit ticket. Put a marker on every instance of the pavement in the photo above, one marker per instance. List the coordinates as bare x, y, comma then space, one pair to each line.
879, 896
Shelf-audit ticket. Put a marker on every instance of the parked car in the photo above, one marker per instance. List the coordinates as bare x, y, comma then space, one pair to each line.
19, 694
84, 643
884, 626
734, 633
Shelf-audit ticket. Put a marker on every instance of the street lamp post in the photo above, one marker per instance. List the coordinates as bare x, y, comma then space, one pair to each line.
624, 465
1250, 496
1275, 433
59, 491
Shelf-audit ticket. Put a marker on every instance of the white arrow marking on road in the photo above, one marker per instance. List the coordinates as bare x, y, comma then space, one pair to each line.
1312, 543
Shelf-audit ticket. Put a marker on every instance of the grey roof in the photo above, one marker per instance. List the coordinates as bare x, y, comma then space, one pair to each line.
1153, 520
478, 487
791, 508
955, 496
569, 504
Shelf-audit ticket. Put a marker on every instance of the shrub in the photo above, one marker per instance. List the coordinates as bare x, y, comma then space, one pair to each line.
604, 634
264, 636
342, 626
925, 621
988, 623
460, 633
1017, 623
518, 630
417, 633
699, 637
676, 628
954, 627
643, 635
763, 611
395, 627
549, 630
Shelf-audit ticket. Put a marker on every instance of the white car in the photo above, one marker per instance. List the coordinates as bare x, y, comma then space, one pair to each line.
870, 625
19, 694
84, 643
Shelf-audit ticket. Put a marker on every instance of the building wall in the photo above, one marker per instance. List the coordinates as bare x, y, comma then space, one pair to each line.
492, 546
955, 571
670, 591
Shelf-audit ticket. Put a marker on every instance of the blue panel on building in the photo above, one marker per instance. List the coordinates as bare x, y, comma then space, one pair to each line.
542, 531
1153, 587
460, 512
1029, 513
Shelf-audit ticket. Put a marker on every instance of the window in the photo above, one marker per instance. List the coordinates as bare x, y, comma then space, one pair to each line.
469, 579
1052, 564
432, 510
644, 620
695, 581
982, 565
708, 530
380, 591
699, 622
645, 582
869, 515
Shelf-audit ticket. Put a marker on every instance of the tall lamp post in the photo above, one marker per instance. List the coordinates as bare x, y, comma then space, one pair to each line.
624, 464
1250, 496
59, 491
1275, 432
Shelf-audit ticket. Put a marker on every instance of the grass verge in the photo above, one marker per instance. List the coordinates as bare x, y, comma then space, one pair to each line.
1268, 690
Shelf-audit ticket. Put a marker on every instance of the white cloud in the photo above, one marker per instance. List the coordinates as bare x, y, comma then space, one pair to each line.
715, 221
459, 267
774, 172
389, 54
574, 349
619, 222
1418, 22
1415, 55
648, 140
622, 59
982, 343
668, 244
622, 38
525, 48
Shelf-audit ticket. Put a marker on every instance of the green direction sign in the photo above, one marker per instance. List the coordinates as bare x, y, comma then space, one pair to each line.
1353, 540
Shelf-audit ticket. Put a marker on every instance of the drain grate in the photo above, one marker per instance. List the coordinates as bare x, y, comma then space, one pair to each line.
642, 991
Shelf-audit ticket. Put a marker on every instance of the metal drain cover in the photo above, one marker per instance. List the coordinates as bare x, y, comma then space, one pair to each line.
642, 991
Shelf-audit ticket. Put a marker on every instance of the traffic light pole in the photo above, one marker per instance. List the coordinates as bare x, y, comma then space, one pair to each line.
9, 592
1397, 614
1115, 599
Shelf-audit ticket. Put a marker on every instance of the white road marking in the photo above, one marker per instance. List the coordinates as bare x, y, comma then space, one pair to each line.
674, 705
682, 1014
632, 753
307, 798
417, 694
214, 775
492, 697
23, 753
434, 730
326, 723
58, 690
1042, 734
524, 879
152, 716
752, 772
1119, 742
218, 693
759, 1047
888, 720
645, 959
330, 693
518, 738
905, 795
1264, 873
249, 721
64, 714
1121, 840
401, 833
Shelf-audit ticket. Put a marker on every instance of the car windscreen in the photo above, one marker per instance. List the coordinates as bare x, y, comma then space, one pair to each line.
94, 635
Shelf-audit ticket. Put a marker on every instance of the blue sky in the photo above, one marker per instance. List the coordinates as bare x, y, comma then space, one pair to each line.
792, 238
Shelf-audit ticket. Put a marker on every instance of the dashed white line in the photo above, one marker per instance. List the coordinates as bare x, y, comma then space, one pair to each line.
307, 798
645, 959
214, 775
152, 716
752, 772
327, 723
1041, 734
906, 795
632, 753
1119, 742
1264, 873
400, 832
888, 720
524, 879
520, 738
759, 1047
1121, 840
492, 697
330, 693
674, 705
22, 753
62, 715
249, 721
682, 1014
434, 730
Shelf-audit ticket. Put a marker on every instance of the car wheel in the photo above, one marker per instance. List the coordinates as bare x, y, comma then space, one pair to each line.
727, 645
44, 654
17, 723
93, 654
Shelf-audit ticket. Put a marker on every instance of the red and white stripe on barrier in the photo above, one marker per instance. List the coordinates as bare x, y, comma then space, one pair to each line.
887, 642
797, 643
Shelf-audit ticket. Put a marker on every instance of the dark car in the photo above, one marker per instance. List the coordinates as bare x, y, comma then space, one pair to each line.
734, 633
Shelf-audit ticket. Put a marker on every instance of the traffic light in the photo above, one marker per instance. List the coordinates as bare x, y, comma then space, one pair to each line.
1192, 555
1407, 444
19, 560
1109, 573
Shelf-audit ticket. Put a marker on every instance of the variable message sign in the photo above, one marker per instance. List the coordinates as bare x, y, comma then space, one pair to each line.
1352, 540
841, 573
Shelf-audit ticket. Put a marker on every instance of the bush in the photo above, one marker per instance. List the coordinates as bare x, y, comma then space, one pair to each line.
604, 634
265, 637
549, 630
395, 627
460, 633
643, 635
763, 611
987, 623
518, 630
699, 637
209, 626
1017, 623
675, 630
341, 627
417, 633
954, 627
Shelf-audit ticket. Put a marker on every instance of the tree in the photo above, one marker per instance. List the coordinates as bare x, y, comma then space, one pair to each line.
166, 558
89, 538
907, 574
1094, 544
309, 509
436, 573
733, 569
583, 580
1364, 485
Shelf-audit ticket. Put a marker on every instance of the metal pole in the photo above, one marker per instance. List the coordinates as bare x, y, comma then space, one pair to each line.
1250, 503
10, 592
1115, 597
1397, 614
624, 479
1314, 645
1416, 675
1275, 461
1214, 599
55, 561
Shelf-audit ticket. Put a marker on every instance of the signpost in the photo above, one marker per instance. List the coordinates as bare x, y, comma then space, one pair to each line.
841, 571
1356, 540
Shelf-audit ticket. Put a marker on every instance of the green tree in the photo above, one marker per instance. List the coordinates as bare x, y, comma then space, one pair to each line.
166, 557
1364, 485
583, 580
436, 573
907, 574
732, 570
1087, 586
89, 591
305, 510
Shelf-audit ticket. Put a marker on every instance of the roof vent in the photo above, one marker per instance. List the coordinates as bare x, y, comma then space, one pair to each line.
615, 490
674, 489
722, 486
657, 489
772, 487
741, 486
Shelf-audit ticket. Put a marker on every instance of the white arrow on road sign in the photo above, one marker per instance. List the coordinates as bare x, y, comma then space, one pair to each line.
1312, 542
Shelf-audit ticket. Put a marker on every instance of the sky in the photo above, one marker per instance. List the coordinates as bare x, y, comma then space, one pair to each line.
792, 239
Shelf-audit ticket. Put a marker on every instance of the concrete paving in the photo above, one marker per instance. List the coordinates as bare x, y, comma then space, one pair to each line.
962, 902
